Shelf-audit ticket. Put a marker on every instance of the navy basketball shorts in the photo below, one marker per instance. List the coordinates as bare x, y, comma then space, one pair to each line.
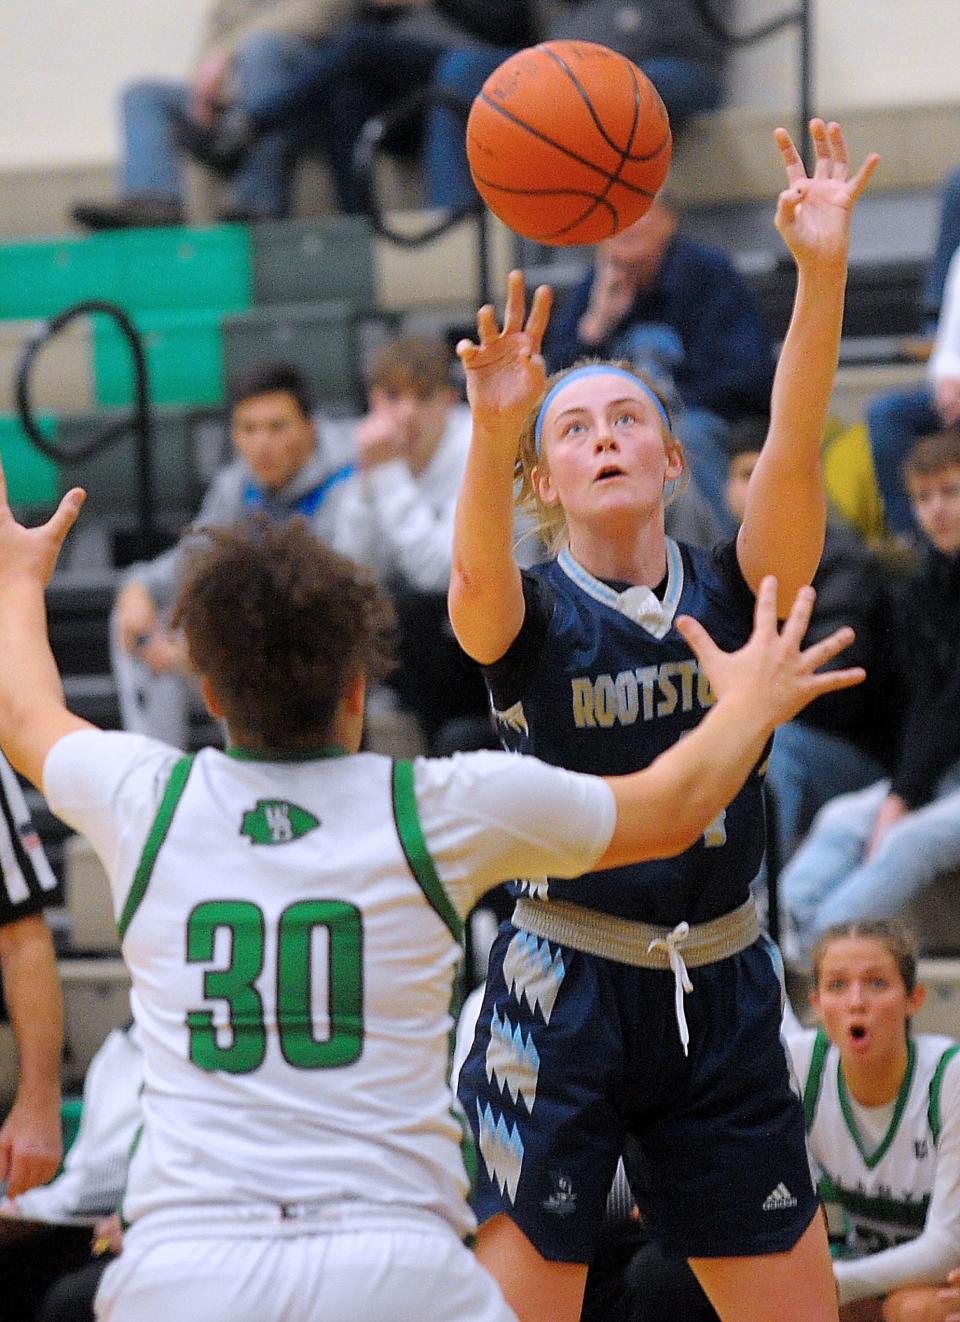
572, 1052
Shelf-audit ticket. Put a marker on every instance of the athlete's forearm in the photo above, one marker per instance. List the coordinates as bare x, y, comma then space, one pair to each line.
785, 517
33, 713
662, 810
486, 597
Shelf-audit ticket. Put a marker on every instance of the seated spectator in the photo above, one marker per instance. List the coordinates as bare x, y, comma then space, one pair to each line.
668, 39
882, 1109
870, 852
282, 469
375, 62
948, 240
843, 741
897, 419
396, 516
685, 317
46, 1245
251, 52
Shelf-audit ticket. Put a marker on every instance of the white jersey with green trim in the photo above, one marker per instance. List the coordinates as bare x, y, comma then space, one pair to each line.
888, 1174
291, 929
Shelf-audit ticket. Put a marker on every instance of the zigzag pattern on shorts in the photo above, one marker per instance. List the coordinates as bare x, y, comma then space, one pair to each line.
501, 1149
511, 1060
529, 970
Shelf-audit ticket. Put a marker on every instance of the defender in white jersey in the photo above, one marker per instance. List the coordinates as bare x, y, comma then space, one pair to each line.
291, 912
882, 1108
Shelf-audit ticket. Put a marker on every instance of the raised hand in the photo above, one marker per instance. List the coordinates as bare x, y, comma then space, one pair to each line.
771, 669
34, 551
813, 211
505, 370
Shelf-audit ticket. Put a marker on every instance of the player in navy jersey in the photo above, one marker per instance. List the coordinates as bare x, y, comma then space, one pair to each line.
653, 1006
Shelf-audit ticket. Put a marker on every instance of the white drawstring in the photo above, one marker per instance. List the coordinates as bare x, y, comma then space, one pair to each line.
670, 944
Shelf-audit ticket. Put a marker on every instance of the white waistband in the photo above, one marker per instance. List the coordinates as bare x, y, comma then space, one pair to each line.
643, 945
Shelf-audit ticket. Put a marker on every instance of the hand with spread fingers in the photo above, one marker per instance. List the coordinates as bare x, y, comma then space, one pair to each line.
813, 211
33, 551
772, 667
505, 369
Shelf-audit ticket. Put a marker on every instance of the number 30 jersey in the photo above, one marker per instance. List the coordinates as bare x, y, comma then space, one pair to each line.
292, 949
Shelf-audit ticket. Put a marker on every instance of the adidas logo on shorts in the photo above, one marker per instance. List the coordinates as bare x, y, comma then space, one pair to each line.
778, 1199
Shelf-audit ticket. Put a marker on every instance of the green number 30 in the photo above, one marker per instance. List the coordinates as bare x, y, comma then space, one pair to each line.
236, 984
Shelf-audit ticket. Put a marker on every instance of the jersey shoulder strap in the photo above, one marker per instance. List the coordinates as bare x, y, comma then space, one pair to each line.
811, 1089
933, 1107
158, 833
407, 818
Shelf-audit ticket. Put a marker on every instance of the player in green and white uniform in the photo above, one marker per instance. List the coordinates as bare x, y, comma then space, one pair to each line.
291, 911
882, 1109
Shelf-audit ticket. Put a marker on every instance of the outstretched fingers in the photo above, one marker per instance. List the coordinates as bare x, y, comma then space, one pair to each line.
487, 328
818, 654
792, 160
863, 176
831, 681
797, 622
65, 515
698, 640
765, 607
515, 308
539, 314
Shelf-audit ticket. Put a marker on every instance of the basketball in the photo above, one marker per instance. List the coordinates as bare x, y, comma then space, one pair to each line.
568, 142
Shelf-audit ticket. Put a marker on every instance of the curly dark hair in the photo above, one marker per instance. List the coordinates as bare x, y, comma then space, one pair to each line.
280, 626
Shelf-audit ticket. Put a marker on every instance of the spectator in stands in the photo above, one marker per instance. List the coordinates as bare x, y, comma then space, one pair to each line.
682, 314
396, 516
30, 1139
49, 1264
870, 852
284, 467
897, 419
846, 741
669, 39
948, 241
373, 64
251, 51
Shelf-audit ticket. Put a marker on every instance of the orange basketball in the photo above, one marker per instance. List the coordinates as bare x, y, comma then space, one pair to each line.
568, 142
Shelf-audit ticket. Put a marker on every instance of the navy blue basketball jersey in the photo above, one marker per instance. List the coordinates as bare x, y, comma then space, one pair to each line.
599, 680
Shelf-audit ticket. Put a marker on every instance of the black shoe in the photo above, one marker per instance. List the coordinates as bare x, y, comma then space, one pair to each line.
138, 212
221, 147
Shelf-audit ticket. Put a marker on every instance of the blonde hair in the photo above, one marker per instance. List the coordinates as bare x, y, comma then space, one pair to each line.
550, 521
890, 933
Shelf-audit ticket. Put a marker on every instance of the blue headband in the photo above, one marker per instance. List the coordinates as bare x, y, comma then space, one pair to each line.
594, 369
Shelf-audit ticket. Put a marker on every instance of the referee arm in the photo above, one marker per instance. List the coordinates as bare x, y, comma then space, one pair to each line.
30, 1137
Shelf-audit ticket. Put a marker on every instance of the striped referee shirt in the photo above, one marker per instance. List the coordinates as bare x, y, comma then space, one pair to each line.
26, 878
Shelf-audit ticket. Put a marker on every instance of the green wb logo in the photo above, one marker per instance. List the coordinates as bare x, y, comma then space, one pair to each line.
276, 822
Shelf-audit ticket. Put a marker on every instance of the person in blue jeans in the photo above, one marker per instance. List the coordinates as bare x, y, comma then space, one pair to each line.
375, 63
668, 39
252, 53
869, 853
